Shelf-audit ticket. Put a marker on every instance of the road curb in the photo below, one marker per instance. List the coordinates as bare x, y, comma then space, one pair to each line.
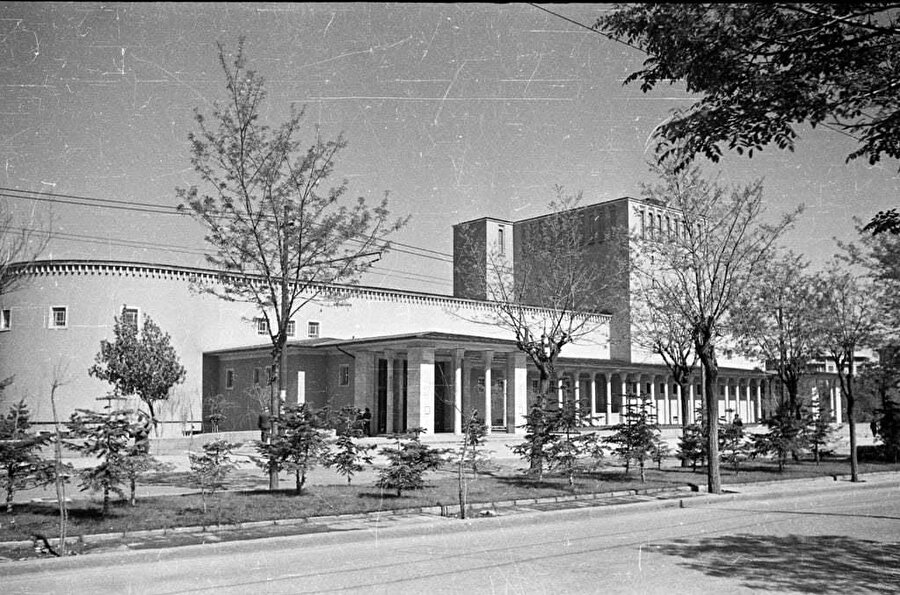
731, 492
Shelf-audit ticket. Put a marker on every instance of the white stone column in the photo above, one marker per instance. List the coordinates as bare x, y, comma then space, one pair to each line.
624, 405
608, 411
758, 401
577, 391
420, 389
653, 397
749, 417
459, 357
727, 402
488, 359
667, 410
517, 397
838, 409
559, 388
593, 387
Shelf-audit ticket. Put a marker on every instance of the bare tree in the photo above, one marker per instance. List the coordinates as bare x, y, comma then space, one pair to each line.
849, 319
547, 297
699, 266
18, 245
777, 320
660, 330
281, 238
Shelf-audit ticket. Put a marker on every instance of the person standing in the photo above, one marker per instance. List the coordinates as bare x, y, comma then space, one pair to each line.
264, 424
367, 422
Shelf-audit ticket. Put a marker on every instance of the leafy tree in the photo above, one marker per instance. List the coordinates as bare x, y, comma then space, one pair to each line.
280, 236
408, 461
299, 445
474, 431
570, 444
635, 438
546, 297
107, 436
349, 456
210, 469
20, 454
539, 440
733, 445
660, 451
142, 363
661, 330
820, 430
889, 427
776, 317
785, 437
760, 69
697, 272
692, 446
849, 320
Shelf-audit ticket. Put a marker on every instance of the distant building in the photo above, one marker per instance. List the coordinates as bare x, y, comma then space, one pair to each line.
415, 359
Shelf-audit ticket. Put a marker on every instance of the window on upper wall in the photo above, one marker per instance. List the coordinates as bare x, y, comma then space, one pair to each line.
291, 328
262, 326
59, 317
229, 379
130, 316
312, 330
344, 375
5, 320
256, 375
501, 244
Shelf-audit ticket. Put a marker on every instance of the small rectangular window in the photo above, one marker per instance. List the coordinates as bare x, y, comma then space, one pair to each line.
344, 375
59, 317
256, 375
5, 320
291, 328
500, 242
130, 316
313, 330
269, 378
262, 326
229, 379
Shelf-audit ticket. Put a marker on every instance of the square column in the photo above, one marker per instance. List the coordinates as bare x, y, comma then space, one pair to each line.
516, 392
758, 402
488, 362
593, 398
667, 410
420, 381
727, 401
459, 356
608, 411
364, 378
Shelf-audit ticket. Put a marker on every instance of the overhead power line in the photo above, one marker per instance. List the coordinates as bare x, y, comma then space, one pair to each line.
142, 207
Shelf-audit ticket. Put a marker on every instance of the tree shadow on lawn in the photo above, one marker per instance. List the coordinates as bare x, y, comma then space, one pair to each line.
809, 564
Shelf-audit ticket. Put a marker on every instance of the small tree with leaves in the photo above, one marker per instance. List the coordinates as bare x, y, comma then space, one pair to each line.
299, 445
786, 435
889, 428
540, 437
820, 430
733, 445
210, 469
570, 445
408, 461
349, 456
20, 454
139, 362
635, 438
692, 446
107, 436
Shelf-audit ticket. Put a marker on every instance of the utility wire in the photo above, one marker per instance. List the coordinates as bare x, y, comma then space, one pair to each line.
106, 203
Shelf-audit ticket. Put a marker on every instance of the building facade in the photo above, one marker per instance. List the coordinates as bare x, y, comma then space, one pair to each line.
414, 359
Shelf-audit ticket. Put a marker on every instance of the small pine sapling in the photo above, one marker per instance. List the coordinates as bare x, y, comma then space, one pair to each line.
349, 456
820, 430
540, 435
299, 445
210, 469
692, 446
408, 461
105, 435
20, 454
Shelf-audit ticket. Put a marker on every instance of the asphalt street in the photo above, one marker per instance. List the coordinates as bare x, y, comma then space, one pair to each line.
820, 538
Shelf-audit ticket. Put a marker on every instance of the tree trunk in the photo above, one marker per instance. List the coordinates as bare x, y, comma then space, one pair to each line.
9, 494
851, 415
685, 411
707, 354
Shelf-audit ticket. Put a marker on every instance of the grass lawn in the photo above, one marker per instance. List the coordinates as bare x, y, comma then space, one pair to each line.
243, 505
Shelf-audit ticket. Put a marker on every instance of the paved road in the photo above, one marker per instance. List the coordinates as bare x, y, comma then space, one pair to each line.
832, 538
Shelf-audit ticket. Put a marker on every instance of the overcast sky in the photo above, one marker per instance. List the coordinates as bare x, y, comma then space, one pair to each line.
459, 111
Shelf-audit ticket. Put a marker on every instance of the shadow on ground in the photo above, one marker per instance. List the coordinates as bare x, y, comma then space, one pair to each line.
818, 564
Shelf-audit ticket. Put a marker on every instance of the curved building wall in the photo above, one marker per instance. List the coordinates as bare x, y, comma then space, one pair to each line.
33, 352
